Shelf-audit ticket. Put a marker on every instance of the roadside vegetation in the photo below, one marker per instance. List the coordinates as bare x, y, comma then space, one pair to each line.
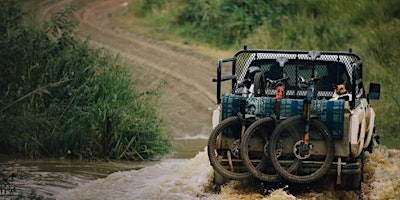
60, 98
370, 28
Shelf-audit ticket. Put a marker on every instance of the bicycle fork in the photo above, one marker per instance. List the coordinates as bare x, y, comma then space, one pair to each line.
306, 137
306, 146
307, 110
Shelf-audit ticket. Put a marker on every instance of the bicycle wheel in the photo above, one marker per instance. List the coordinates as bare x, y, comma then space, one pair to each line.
286, 147
254, 148
224, 149
259, 84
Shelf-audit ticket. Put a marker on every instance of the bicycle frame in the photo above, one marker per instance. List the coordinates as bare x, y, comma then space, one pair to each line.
310, 95
279, 94
307, 111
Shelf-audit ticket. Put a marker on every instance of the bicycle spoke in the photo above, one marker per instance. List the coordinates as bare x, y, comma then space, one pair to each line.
314, 159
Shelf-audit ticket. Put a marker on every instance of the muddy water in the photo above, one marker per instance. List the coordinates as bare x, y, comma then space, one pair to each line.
187, 174
48, 177
191, 179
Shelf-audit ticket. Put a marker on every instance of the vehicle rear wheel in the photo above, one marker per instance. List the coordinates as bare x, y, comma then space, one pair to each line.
286, 148
223, 146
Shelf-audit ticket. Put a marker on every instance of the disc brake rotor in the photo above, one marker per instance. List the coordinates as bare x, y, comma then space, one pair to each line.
278, 149
236, 148
301, 151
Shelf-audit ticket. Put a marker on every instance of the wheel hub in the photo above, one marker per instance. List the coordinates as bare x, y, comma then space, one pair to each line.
236, 148
302, 151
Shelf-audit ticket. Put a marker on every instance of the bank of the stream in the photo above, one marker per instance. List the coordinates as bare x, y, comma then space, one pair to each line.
58, 94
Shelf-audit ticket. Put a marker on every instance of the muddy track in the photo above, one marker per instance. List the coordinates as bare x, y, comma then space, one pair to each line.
188, 98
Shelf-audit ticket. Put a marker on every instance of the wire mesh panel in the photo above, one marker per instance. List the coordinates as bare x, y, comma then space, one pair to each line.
331, 67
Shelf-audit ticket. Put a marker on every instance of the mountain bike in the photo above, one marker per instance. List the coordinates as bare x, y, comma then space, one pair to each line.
255, 142
304, 140
224, 142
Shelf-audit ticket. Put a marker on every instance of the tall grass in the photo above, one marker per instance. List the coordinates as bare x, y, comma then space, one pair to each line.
370, 28
61, 98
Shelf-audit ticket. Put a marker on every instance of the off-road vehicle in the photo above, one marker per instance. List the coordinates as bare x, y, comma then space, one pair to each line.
277, 122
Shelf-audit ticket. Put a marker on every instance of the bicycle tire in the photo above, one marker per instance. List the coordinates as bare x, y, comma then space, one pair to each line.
259, 84
289, 133
218, 156
253, 146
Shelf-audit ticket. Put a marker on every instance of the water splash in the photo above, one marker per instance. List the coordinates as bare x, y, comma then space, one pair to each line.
382, 174
192, 179
171, 179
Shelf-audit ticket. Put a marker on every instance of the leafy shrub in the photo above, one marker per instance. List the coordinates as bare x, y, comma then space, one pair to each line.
224, 22
58, 97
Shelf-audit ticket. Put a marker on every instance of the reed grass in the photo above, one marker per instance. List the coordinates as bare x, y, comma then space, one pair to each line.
60, 98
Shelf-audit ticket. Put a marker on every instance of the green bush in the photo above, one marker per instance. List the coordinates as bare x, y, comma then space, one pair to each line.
224, 22
59, 96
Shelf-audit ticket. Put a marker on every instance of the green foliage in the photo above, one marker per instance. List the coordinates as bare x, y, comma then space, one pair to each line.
222, 22
144, 7
58, 95
370, 28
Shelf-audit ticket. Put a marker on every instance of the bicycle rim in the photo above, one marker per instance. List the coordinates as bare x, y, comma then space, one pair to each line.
219, 149
286, 148
254, 148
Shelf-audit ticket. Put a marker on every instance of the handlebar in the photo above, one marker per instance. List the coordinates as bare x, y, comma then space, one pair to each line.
304, 83
276, 82
244, 82
311, 88
312, 80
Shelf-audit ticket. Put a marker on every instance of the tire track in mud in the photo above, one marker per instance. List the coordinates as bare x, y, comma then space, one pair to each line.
188, 98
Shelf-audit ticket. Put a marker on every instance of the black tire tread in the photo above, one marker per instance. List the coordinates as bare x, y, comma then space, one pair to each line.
318, 173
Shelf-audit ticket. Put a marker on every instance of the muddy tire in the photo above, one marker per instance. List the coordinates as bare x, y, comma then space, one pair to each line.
220, 152
254, 148
285, 149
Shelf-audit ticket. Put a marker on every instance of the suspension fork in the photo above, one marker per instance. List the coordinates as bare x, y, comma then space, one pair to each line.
307, 110
306, 137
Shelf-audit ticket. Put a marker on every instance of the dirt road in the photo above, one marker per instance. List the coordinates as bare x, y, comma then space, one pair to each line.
188, 98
